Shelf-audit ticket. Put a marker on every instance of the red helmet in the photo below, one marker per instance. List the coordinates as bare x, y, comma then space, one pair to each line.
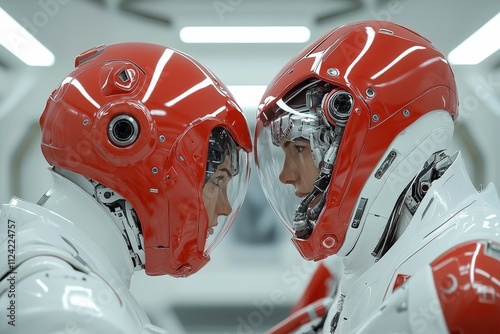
350, 93
141, 119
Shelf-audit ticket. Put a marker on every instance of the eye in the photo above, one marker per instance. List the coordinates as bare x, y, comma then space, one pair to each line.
217, 180
299, 148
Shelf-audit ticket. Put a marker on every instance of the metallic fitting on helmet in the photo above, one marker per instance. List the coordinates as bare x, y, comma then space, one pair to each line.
339, 106
333, 72
123, 130
370, 93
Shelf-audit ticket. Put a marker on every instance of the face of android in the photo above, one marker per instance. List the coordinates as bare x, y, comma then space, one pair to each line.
299, 169
215, 195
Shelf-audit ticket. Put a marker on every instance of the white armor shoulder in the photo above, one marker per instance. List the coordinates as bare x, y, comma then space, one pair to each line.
458, 292
412, 308
46, 295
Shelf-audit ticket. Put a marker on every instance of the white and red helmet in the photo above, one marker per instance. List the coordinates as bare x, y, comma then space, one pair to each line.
144, 120
350, 94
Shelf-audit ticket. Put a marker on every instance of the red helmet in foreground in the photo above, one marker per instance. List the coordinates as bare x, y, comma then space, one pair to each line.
151, 123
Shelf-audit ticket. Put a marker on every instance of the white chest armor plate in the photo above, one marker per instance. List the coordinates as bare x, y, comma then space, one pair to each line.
63, 281
452, 213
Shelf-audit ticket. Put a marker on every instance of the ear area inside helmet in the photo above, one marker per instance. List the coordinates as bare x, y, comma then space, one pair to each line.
338, 105
124, 132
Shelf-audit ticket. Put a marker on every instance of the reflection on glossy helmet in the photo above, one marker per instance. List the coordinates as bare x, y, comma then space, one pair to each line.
137, 117
350, 94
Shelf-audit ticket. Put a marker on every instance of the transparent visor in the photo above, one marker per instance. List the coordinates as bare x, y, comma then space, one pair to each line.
226, 182
296, 148
286, 163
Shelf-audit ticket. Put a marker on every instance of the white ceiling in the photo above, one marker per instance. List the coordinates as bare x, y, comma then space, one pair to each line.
68, 27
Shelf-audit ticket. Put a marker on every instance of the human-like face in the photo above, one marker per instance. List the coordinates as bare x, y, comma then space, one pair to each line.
215, 194
298, 169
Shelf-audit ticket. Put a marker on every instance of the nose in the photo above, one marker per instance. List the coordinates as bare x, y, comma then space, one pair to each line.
223, 205
287, 175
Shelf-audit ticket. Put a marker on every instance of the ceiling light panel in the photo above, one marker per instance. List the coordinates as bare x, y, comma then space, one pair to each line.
242, 34
22, 44
478, 46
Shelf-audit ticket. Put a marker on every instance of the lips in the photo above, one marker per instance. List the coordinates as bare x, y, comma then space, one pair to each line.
299, 194
210, 231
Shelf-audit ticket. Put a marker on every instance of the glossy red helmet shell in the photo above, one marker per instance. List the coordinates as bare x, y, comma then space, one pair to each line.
174, 102
387, 69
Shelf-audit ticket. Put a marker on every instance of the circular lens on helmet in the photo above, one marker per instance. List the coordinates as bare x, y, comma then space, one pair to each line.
123, 130
340, 105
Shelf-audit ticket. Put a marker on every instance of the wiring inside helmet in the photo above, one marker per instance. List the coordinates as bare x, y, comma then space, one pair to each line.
221, 145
